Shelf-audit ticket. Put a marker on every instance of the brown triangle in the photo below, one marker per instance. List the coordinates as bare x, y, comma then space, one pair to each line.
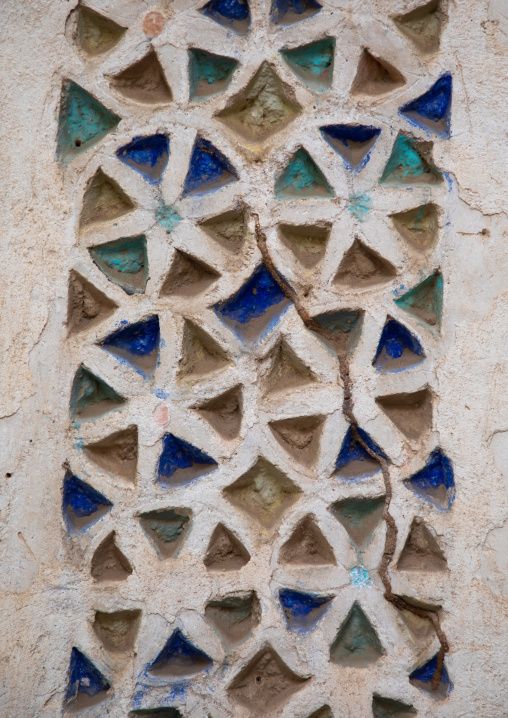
103, 201
117, 453
324, 712
307, 546
87, 305
228, 229
361, 266
418, 226
421, 551
287, 371
201, 355
224, 412
375, 76
422, 629
187, 276
307, 242
299, 437
234, 615
225, 551
411, 413
94, 33
144, 82
117, 630
423, 26
109, 563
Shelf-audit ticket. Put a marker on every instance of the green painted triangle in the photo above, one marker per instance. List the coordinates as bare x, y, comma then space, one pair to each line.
425, 301
83, 121
209, 74
302, 178
357, 643
313, 63
91, 396
406, 164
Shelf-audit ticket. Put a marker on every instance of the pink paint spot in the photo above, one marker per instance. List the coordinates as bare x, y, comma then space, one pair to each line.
153, 23
161, 414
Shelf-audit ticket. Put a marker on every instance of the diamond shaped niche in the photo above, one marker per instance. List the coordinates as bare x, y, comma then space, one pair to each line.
264, 493
265, 106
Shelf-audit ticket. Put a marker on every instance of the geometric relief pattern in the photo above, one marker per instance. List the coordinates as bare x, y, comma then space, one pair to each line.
223, 521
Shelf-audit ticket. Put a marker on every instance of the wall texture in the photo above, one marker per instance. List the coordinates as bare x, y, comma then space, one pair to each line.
254, 437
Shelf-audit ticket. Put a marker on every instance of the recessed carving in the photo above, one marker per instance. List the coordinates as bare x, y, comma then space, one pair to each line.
225, 551
423, 25
144, 82
299, 437
287, 12
307, 242
312, 63
357, 643
91, 396
302, 179
209, 169
432, 110
209, 74
375, 77
117, 630
104, 200
303, 611
87, 306
147, 155
180, 658
228, 229
188, 276
117, 453
94, 34
425, 301
109, 563
352, 142
410, 163
398, 349
181, 462
410, 412
418, 226
354, 461
307, 546
362, 267
136, 344
124, 262
86, 685
231, 14
435, 482
201, 355
421, 551
166, 529
82, 505
388, 707
422, 678
287, 371
224, 412
360, 517
234, 616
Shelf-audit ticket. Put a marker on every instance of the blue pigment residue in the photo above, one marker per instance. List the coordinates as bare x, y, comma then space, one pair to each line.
124, 262
313, 63
432, 110
359, 577
284, 12
168, 217
84, 677
397, 349
82, 505
302, 611
209, 74
209, 169
352, 142
180, 456
360, 206
180, 657
233, 14
82, 122
352, 451
137, 344
425, 673
302, 178
147, 155
435, 481
91, 396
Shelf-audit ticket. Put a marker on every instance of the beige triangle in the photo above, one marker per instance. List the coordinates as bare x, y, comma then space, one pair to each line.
411, 413
117, 453
423, 25
144, 82
94, 33
307, 242
287, 371
201, 355
418, 226
87, 306
421, 551
117, 630
187, 276
361, 267
103, 201
375, 76
225, 551
109, 563
224, 412
228, 229
307, 546
300, 437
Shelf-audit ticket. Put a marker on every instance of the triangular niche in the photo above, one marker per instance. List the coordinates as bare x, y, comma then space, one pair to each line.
103, 201
201, 355
232, 14
87, 306
143, 82
306, 241
360, 517
287, 371
410, 412
425, 301
323, 712
117, 630
181, 462
302, 179
82, 505
418, 226
398, 349
209, 74
354, 460
307, 546
83, 121
187, 276
375, 77
228, 229
410, 163
124, 262
391, 708
224, 412
422, 678
357, 643
209, 170
225, 551
300, 437
95, 34
166, 529
362, 267
86, 685
303, 611
117, 453
287, 12
91, 397
421, 551
423, 25
234, 616
352, 142
136, 344
109, 563
265, 106
161, 712
432, 110
343, 325
180, 658
313, 63
147, 155
435, 482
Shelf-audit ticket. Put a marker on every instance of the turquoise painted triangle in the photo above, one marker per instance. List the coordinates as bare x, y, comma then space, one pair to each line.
357, 643
209, 74
313, 63
406, 165
124, 262
91, 396
302, 178
82, 122
425, 301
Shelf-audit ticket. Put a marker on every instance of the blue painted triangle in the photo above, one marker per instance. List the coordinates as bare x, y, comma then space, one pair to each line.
435, 482
91, 396
209, 74
233, 14
84, 677
137, 344
180, 657
147, 155
313, 63
432, 110
354, 461
352, 142
82, 122
302, 611
398, 349
422, 678
302, 178
82, 505
285, 12
180, 462
209, 169
124, 262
